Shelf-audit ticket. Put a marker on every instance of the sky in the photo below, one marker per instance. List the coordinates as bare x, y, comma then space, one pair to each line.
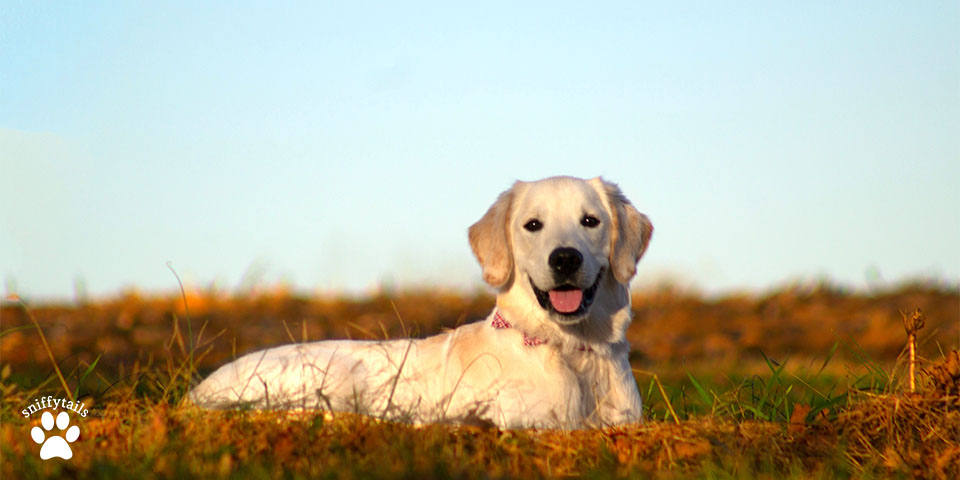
345, 146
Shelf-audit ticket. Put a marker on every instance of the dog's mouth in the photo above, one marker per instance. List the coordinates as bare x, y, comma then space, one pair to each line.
567, 300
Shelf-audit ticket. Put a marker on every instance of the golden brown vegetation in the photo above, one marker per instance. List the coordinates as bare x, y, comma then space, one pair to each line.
729, 400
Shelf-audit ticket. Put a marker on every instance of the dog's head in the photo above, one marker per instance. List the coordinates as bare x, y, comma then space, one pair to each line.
561, 239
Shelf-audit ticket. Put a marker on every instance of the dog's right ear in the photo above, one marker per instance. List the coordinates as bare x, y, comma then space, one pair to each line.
489, 242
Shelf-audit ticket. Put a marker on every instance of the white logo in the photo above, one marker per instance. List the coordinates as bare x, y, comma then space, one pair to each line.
55, 446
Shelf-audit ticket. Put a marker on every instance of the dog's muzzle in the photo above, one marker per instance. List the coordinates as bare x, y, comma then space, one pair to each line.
568, 300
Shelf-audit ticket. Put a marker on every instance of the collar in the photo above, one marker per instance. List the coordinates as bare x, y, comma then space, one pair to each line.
528, 341
499, 322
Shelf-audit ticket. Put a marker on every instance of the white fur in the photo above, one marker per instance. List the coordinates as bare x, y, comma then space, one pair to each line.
580, 377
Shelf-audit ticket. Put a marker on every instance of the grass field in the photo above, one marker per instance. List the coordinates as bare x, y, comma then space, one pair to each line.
799, 382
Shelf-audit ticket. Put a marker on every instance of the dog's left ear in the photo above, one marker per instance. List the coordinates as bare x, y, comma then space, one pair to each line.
630, 232
488, 240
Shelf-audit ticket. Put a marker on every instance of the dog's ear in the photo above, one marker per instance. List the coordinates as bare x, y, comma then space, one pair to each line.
630, 233
488, 239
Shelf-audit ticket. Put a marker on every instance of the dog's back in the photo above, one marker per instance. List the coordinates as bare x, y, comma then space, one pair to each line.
474, 373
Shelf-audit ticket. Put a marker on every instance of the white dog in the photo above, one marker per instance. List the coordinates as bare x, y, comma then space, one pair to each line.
552, 354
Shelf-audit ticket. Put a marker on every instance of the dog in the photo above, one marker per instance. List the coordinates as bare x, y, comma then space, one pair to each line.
560, 253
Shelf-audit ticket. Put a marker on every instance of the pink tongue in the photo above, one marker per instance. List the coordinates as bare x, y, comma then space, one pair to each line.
566, 301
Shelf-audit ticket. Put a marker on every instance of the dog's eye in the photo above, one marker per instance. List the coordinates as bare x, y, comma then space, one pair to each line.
589, 221
533, 225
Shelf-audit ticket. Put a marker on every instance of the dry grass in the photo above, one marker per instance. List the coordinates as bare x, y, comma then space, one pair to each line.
797, 383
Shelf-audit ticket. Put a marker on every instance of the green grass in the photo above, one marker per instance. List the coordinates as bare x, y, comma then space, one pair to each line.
764, 389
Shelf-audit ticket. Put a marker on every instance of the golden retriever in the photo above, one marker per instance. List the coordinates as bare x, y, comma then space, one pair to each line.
560, 252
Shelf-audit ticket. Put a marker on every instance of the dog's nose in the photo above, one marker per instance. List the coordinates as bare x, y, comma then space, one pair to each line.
565, 260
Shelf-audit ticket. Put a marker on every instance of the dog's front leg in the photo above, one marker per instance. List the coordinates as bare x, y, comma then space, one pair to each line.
620, 403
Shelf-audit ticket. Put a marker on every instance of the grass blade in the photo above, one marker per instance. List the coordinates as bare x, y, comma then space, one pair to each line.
833, 350
89, 370
700, 391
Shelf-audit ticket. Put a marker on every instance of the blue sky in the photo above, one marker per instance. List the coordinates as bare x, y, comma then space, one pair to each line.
338, 146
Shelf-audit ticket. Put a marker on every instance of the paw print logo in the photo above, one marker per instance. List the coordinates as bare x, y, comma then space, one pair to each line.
55, 446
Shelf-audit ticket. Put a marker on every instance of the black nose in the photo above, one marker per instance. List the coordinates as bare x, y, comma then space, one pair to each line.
565, 260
